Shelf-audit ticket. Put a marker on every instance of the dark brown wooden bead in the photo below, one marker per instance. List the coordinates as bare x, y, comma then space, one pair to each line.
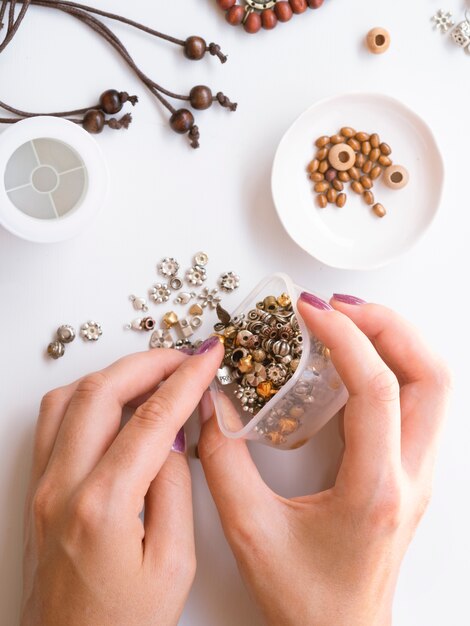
252, 23
283, 11
298, 6
93, 121
269, 19
225, 4
110, 101
181, 121
200, 97
235, 15
195, 48
315, 4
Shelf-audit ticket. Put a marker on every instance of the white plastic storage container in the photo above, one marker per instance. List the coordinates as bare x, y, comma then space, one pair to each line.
302, 406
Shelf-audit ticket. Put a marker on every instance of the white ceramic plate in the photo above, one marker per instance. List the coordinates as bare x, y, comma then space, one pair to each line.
353, 237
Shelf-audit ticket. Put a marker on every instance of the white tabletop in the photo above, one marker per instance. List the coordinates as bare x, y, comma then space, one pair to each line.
167, 199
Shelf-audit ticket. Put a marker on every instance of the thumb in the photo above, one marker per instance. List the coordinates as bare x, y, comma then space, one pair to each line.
239, 492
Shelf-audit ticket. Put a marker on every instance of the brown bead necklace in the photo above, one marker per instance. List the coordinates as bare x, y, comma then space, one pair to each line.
264, 13
93, 119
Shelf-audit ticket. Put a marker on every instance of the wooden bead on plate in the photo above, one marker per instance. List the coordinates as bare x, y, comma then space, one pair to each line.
252, 23
354, 173
366, 182
317, 177
396, 177
321, 187
322, 154
375, 172
322, 168
338, 185
200, 97
348, 132
313, 166
315, 4
322, 200
374, 154
366, 148
282, 10
341, 200
378, 40
368, 197
235, 15
330, 175
321, 142
385, 149
362, 136
93, 121
181, 121
337, 139
332, 195
226, 4
354, 143
342, 157
357, 187
385, 160
269, 19
344, 177
374, 140
194, 48
367, 167
360, 160
298, 6
379, 210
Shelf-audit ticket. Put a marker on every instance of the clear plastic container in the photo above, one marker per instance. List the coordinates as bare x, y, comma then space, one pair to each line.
302, 406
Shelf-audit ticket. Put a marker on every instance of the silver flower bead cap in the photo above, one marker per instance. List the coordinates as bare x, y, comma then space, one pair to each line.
91, 331
229, 281
160, 293
196, 275
168, 266
65, 333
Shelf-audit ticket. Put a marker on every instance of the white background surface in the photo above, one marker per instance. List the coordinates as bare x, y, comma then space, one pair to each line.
168, 199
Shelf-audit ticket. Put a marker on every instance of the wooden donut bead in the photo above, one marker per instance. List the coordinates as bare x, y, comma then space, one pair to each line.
378, 40
252, 23
396, 177
268, 19
342, 157
298, 6
235, 15
283, 11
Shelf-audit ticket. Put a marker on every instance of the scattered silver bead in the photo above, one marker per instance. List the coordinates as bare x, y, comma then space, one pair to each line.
56, 349
196, 275
229, 281
168, 267
196, 321
160, 293
176, 283
65, 333
209, 298
185, 328
91, 331
161, 339
201, 258
139, 304
184, 297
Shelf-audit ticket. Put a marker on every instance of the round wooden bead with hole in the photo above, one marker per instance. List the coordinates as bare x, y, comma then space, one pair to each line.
396, 177
378, 40
342, 157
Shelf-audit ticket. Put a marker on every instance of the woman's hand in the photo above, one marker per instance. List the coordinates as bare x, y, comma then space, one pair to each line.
333, 558
89, 559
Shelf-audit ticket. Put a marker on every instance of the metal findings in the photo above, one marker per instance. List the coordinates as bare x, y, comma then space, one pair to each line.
209, 297
443, 20
141, 323
201, 258
91, 331
160, 293
229, 281
168, 267
184, 297
196, 275
56, 349
176, 283
65, 333
460, 35
161, 339
139, 304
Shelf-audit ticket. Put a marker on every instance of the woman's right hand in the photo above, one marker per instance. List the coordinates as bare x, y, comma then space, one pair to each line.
333, 558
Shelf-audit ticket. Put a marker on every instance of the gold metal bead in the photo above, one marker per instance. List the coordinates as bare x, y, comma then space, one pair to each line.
287, 425
284, 300
258, 355
170, 319
265, 390
276, 438
220, 337
245, 365
196, 309
230, 332
270, 303
296, 411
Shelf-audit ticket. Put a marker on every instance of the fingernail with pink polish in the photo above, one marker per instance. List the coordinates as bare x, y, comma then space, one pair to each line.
179, 444
206, 407
188, 351
341, 297
207, 345
315, 301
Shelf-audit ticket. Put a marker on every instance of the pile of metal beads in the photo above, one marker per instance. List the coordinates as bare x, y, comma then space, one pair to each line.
358, 158
262, 350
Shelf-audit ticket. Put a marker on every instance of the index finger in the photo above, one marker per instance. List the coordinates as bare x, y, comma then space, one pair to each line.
139, 451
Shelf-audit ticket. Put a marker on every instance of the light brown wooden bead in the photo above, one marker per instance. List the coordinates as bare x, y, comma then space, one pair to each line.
367, 167
378, 40
344, 177
341, 157
338, 185
368, 197
332, 195
322, 201
321, 142
313, 166
362, 137
354, 144
374, 154
323, 167
322, 154
396, 177
354, 173
379, 210
357, 187
317, 177
337, 139
366, 148
360, 160
375, 172
348, 132
385, 161
385, 149
321, 187
341, 200
366, 182
374, 140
